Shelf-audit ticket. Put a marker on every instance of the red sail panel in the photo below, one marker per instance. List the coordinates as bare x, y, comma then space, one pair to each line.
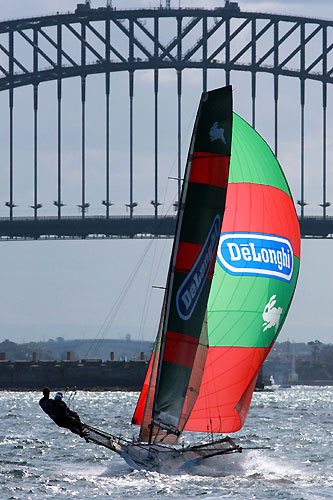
138, 414
187, 255
180, 349
226, 388
261, 209
196, 375
209, 169
144, 409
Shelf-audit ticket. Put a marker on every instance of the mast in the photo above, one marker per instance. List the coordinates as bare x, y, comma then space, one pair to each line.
184, 340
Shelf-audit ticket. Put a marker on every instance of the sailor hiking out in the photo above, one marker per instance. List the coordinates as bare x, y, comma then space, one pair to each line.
59, 412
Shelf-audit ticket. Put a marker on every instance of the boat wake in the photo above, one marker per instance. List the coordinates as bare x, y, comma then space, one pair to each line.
250, 464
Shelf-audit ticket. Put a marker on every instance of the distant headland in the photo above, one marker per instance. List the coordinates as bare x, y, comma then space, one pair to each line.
121, 364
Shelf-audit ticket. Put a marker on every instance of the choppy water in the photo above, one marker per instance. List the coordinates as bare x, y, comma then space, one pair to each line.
38, 460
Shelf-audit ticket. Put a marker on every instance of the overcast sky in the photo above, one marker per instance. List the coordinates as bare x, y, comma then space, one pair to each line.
69, 288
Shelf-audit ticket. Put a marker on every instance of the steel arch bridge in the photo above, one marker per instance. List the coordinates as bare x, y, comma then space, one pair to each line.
108, 41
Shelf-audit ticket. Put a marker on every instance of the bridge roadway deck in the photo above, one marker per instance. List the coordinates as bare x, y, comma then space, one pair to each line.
138, 226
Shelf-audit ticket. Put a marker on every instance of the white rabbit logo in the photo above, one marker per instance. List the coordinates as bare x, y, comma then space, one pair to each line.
271, 314
217, 133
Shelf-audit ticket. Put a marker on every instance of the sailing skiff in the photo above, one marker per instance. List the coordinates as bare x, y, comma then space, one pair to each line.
232, 275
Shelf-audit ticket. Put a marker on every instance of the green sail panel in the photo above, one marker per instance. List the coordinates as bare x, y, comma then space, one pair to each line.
237, 320
254, 150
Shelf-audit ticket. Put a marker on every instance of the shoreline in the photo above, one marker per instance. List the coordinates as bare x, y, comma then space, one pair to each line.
322, 383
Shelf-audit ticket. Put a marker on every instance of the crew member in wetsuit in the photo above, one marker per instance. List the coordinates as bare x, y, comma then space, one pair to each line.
59, 412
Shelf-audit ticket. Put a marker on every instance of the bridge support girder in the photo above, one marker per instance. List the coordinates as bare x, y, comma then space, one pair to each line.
123, 227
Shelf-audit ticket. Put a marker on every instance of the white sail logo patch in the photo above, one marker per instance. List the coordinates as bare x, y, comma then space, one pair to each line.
253, 254
271, 314
217, 133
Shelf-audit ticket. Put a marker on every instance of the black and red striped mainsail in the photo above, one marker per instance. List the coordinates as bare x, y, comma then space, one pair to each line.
173, 381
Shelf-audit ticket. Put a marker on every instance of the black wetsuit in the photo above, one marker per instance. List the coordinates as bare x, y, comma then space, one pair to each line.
62, 415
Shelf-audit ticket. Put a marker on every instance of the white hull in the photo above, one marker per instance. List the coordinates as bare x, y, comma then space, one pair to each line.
157, 457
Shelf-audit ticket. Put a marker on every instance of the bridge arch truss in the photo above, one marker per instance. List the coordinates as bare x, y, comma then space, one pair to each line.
105, 40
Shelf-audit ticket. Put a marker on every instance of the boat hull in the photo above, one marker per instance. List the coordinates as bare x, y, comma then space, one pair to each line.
159, 457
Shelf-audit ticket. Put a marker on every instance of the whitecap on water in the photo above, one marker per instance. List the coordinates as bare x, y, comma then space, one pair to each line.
40, 461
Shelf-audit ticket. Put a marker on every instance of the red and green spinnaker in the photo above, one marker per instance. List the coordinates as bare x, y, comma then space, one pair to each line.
258, 202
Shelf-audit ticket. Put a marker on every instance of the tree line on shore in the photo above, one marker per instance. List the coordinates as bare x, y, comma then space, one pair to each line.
78, 348
311, 361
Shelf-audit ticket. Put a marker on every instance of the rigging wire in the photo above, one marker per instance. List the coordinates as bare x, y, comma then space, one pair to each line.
71, 397
95, 345
115, 308
152, 277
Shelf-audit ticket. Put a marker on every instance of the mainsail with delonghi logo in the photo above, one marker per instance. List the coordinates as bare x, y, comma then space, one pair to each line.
220, 315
